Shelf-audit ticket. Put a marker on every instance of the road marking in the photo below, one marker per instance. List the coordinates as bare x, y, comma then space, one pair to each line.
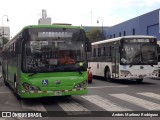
137, 101
32, 106
109, 86
151, 95
73, 108
104, 103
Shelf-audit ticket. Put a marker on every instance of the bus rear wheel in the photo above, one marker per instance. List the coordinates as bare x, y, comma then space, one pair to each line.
108, 75
4, 79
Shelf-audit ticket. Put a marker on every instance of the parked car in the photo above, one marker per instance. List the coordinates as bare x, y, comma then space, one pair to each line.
89, 76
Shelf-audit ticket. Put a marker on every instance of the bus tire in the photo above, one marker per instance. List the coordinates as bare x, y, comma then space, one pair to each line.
139, 80
4, 79
107, 75
5, 82
15, 91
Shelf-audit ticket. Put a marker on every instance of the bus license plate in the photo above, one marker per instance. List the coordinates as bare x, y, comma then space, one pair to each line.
58, 93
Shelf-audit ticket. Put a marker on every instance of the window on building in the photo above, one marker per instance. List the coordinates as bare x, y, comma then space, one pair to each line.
124, 33
114, 35
104, 51
94, 52
119, 34
133, 31
99, 52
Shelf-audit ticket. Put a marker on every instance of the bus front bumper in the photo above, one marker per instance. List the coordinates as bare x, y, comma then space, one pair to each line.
44, 93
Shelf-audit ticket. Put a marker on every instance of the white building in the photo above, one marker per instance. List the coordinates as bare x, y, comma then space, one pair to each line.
44, 20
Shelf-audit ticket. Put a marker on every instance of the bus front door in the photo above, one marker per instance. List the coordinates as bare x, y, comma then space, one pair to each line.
115, 62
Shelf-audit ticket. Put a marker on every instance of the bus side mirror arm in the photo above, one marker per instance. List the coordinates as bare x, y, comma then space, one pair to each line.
17, 47
87, 45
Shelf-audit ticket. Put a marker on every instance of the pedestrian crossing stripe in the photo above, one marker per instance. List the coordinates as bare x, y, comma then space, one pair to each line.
31, 106
104, 103
137, 101
151, 95
70, 106
73, 108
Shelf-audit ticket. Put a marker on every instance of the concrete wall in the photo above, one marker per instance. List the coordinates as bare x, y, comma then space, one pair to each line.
147, 24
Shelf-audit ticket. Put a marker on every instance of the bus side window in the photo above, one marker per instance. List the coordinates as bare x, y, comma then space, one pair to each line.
158, 57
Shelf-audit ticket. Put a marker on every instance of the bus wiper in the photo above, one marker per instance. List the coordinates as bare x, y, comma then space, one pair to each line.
78, 70
32, 74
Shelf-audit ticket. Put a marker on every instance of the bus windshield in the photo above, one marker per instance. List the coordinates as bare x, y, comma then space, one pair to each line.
139, 54
48, 51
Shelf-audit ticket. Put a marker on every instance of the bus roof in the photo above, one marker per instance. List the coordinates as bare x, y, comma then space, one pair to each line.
52, 26
46, 26
119, 38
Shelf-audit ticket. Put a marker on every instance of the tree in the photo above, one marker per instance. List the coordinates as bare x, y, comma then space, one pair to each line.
94, 35
5, 40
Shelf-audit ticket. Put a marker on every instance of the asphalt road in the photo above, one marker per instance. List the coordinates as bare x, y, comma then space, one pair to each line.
103, 96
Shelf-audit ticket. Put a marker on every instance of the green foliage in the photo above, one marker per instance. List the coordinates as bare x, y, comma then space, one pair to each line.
94, 35
5, 40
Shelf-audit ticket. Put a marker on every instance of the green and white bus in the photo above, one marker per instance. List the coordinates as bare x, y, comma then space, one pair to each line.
31, 61
127, 57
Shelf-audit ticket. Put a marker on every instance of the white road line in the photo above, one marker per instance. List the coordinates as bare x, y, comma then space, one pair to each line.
31, 106
137, 101
151, 95
73, 108
104, 103
109, 86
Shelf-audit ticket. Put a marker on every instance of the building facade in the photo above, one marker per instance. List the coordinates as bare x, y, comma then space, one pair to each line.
146, 24
44, 20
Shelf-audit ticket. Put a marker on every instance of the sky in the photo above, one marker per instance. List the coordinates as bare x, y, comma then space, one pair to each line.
76, 12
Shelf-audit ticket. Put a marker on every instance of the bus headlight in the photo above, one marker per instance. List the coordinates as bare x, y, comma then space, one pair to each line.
155, 72
81, 85
28, 87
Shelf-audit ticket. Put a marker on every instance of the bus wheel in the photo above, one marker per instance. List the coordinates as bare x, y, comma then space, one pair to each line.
139, 80
15, 91
4, 79
108, 75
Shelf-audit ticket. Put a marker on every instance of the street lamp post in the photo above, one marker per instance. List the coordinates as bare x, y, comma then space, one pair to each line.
3, 27
102, 24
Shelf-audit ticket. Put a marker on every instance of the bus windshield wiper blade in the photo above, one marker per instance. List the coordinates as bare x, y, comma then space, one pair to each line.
80, 72
32, 74
77, 69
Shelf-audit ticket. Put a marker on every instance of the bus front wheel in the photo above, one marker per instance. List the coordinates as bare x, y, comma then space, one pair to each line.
4, 79
15, 91
107, 75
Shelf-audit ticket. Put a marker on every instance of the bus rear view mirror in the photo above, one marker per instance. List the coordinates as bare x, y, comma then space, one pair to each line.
17, 47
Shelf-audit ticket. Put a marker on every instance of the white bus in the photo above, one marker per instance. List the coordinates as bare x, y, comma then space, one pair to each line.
128, 57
